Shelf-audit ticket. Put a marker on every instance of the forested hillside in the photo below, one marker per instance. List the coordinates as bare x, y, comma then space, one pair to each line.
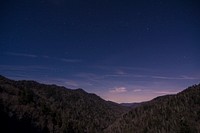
28, 106
167, 114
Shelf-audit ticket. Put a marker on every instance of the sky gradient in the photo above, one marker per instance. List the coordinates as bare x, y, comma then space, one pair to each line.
124, 51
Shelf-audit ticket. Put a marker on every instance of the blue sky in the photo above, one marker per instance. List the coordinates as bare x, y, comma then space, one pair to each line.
124, 51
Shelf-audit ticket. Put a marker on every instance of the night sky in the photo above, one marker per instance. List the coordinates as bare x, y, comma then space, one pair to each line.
122, 50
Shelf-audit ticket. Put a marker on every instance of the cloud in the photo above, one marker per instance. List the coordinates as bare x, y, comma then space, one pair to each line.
175, 78
120, 72
27, 72
122, 69
183, 77
24, 68
137, 90
187, 77
72, 84
67, 60
118, 90
115, 75
22, 54
44, 57
166, 92
70, 60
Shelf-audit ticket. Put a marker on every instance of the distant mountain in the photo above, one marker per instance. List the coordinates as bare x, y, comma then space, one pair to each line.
132, 105
28, 106
167, 114
128, 104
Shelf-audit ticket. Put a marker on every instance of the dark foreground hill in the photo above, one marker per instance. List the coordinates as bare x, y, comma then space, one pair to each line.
168, 114
28, 106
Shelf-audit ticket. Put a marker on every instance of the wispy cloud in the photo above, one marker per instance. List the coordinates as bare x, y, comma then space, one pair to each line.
118, 90
139, 73
115, 75
70, 60
166, 92
23, 68
25, 72
120, 72
122, 69
71, 84
137, 90
183, 77
22, 54
175, 78
67, 60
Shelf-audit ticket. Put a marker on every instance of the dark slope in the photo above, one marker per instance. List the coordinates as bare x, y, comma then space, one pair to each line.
132, 105
28, 106
167, 114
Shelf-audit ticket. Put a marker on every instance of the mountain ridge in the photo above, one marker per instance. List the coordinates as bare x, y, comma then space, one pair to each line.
29, 106
178, 113
50, 108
